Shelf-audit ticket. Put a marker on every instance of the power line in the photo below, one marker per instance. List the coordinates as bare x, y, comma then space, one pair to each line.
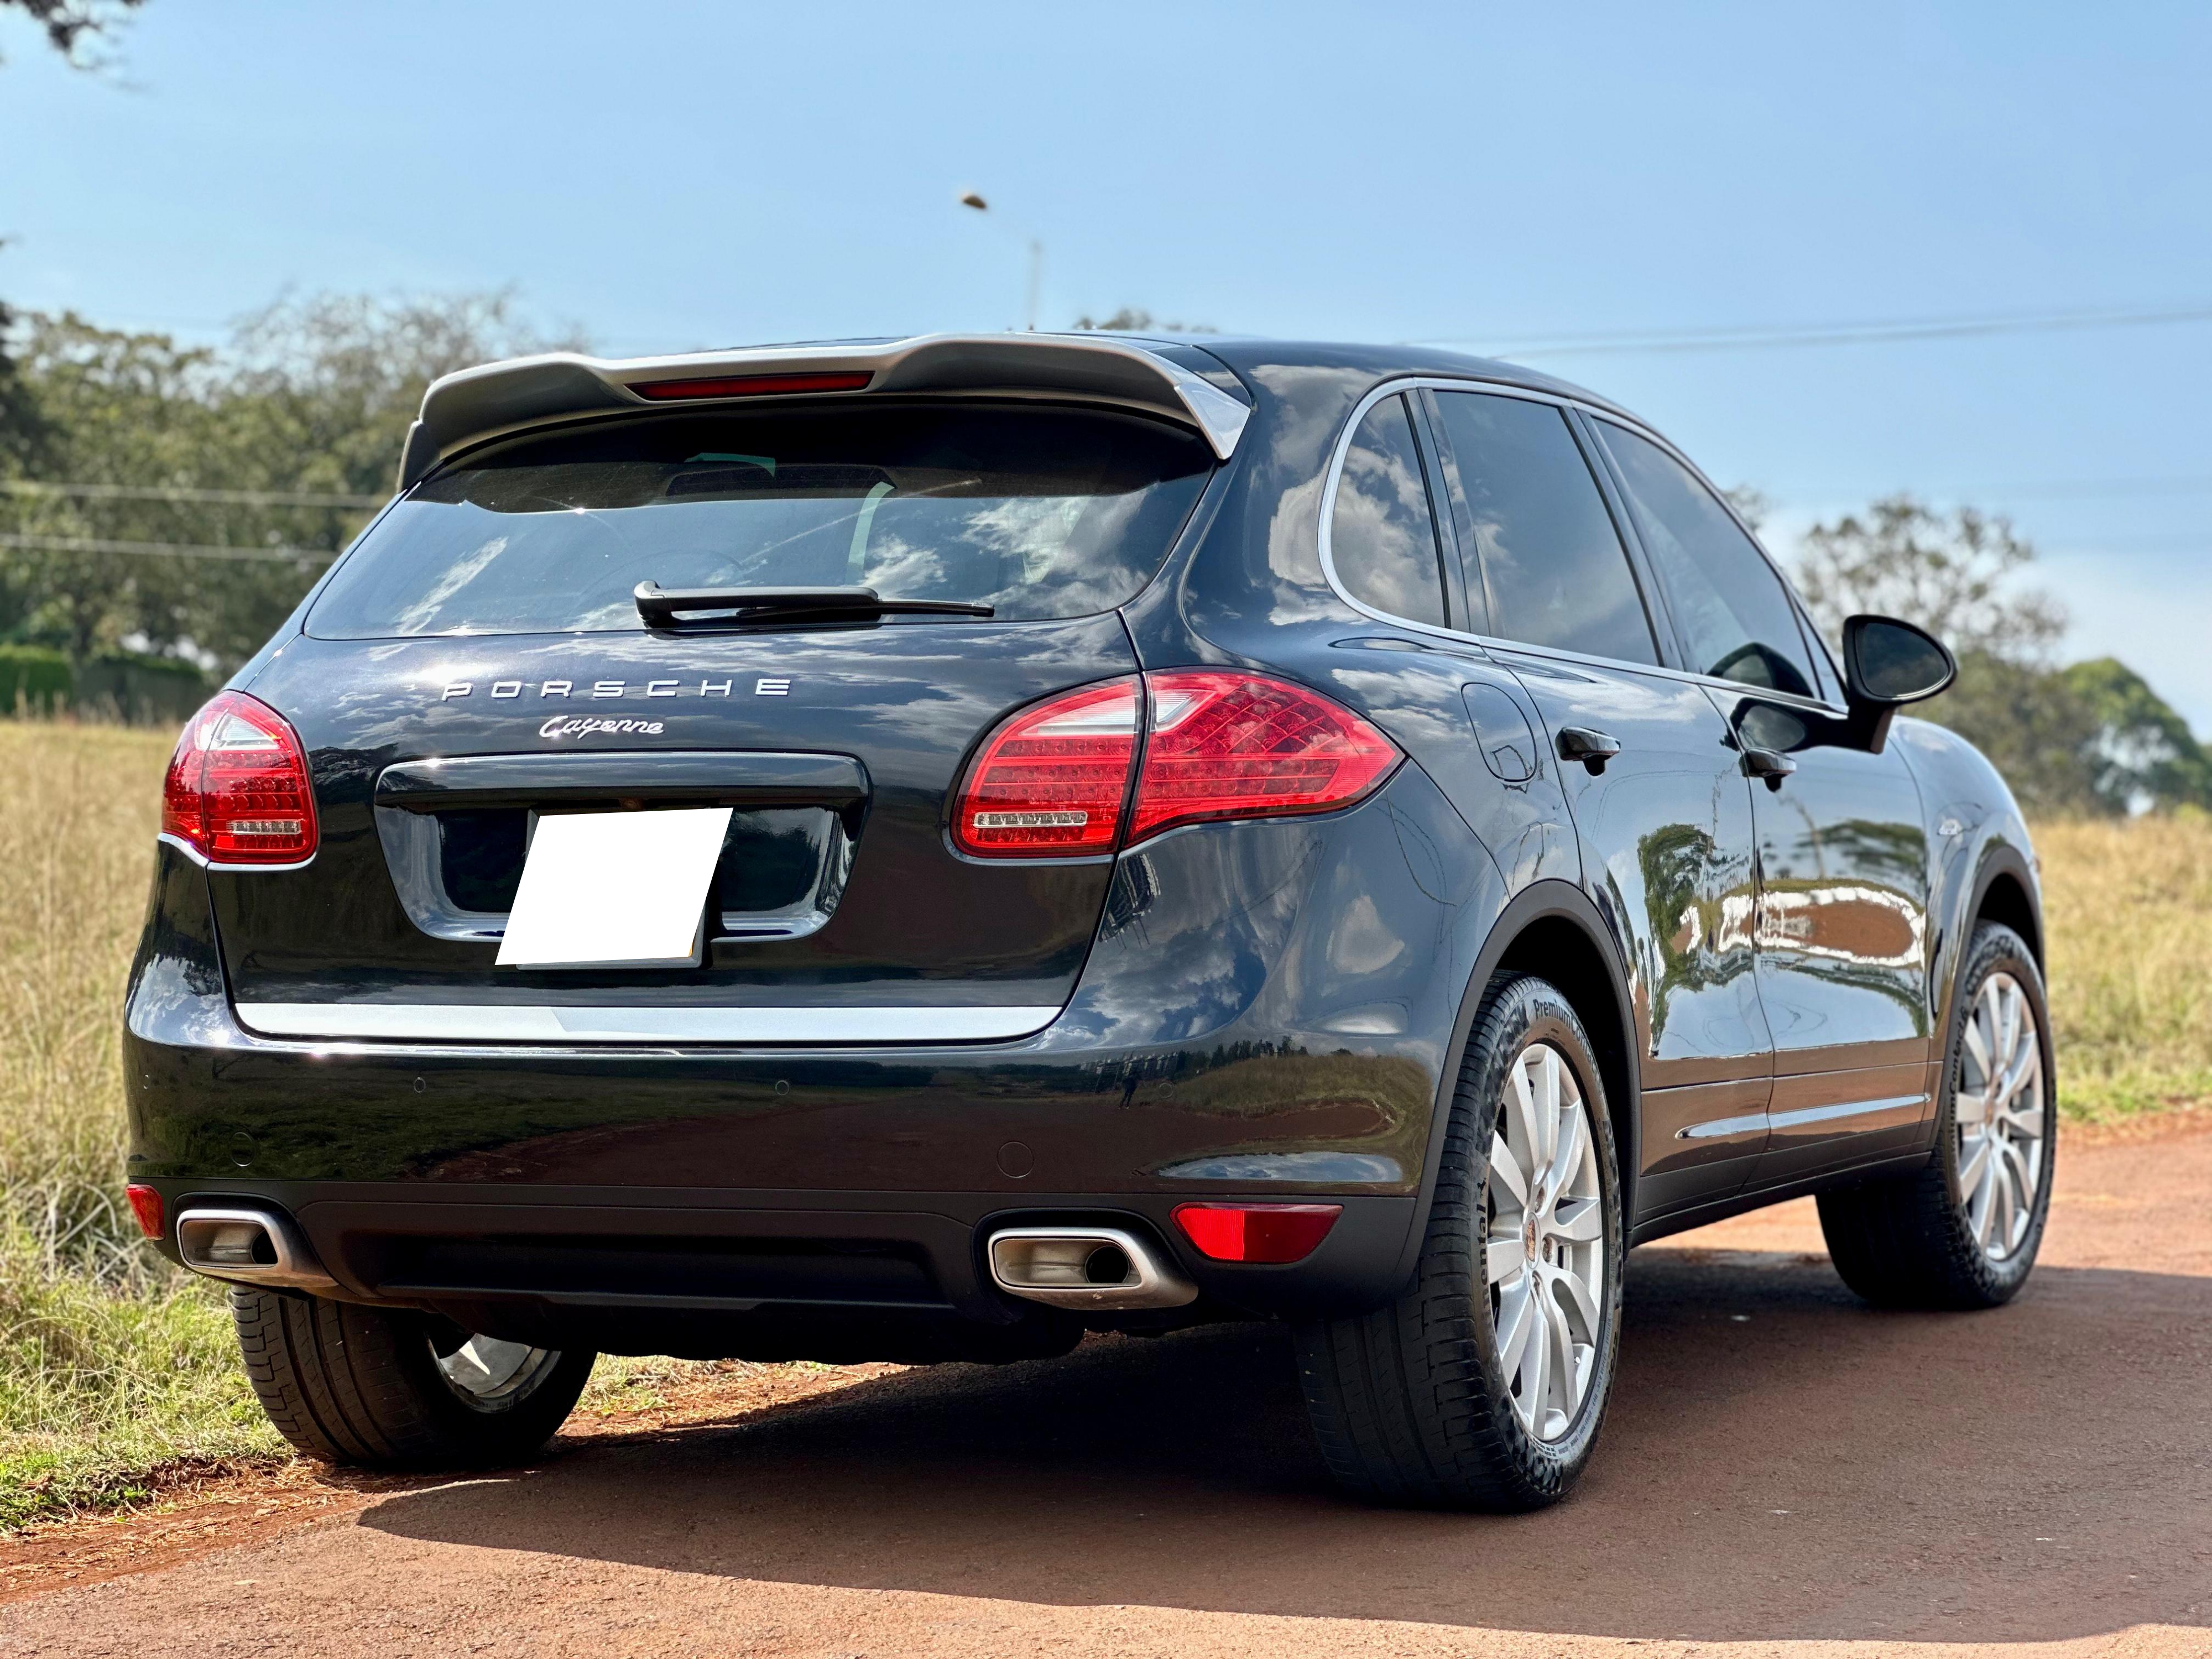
167, 493
1741, 338
162, 549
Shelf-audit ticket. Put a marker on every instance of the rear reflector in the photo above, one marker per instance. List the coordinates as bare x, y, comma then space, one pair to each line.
1050, 781
1226, 745
146, 1205
238, 790
1256, 1232
752, 385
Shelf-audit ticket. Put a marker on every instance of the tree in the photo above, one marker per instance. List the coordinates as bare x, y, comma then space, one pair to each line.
312, 397
2092, 737
1902, 558
1135, 319
2144, 753
68, 22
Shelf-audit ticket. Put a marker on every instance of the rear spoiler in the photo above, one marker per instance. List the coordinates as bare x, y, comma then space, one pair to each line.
466, 408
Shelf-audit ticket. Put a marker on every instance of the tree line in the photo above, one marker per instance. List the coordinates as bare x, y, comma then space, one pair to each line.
163, 503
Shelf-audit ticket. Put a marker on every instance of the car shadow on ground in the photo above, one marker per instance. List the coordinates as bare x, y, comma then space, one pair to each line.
1781, 1462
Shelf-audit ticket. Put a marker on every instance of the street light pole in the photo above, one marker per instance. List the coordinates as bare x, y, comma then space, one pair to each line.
972, 199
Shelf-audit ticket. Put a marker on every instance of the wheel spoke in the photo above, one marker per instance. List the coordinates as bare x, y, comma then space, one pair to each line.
1548, 1103
1506, 1168
1978, 1047
1562, 1365
1523, 1102
2008, 1021
1505, 1258
1974, 1160
2002, 1211
1580, 1302
1516, 1322
1566, 1162
1535, 1363
1582, 1224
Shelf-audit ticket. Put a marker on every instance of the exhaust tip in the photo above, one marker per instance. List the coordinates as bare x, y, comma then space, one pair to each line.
1096, 1267
249, 1247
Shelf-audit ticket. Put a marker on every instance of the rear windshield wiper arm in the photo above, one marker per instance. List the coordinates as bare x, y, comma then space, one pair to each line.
721, 604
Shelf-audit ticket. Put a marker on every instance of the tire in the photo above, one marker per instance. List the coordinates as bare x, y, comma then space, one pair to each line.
1414, 1403
389, 1387
1963, 1232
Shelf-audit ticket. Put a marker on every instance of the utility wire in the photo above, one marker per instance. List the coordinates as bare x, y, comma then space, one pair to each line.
166, 492
1741, 338
162, 549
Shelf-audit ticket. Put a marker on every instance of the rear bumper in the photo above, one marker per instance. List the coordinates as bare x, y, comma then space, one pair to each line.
763, 1274
1227, 1040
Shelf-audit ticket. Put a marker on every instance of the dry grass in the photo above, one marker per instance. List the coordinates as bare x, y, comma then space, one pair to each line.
110, 1362
2129, 909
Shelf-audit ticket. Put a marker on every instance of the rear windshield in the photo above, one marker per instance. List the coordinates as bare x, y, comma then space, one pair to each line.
1036, 511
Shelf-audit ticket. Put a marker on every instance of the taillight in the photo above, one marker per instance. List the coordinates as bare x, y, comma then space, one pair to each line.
1228, 745
1256, 1232
146, 1205
1050, 781
238, 792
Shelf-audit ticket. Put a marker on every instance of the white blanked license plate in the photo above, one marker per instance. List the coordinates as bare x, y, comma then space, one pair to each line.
616, 890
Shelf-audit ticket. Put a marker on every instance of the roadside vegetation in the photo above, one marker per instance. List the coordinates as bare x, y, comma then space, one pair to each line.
112, 1365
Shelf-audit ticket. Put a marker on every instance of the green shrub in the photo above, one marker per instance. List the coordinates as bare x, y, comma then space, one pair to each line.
34, 679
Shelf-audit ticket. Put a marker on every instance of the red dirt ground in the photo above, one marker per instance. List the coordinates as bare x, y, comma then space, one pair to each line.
1785, 1470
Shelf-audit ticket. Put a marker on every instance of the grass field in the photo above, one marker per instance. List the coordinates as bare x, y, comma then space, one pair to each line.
111, 1363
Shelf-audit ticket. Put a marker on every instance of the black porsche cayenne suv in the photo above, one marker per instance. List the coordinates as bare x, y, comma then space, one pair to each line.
916, 850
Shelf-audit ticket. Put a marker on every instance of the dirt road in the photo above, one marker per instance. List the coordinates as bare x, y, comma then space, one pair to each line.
1785, 1470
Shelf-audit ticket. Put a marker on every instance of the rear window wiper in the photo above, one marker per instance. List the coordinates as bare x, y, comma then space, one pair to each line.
687, 607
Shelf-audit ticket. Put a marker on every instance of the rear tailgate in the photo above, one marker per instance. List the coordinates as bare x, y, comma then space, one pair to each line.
840, 912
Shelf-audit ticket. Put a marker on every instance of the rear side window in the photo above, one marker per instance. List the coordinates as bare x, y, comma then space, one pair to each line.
1553, 563
1383, 535
1734, 616
1037, 512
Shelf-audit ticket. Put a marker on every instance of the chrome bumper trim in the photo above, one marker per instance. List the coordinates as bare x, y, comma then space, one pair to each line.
446, 1022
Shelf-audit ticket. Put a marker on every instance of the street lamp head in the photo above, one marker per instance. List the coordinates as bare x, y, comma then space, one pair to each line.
971, 199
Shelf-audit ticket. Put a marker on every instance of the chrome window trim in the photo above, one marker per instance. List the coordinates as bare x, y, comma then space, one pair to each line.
205, 863
1492, 643
541, 1022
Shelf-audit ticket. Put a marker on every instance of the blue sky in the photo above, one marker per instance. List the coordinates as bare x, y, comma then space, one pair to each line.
682, 175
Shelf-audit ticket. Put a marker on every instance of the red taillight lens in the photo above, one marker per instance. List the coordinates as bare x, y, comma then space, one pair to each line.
1256, 1232
1228, 745
238, 792
752, 385
146, 1205
1051, 780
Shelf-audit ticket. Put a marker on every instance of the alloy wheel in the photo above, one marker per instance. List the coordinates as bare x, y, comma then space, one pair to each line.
2000, 1105
491, 1374
1545, 1259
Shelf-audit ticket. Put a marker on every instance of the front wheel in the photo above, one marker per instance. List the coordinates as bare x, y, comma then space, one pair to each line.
1484, 1385
389, 1387
1963, 1231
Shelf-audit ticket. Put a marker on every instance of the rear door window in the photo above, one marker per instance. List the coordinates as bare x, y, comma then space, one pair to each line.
1728, 604
1382, 533
1549, 557
1036, 511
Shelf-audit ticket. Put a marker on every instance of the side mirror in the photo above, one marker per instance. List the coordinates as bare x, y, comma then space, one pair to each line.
1887, 664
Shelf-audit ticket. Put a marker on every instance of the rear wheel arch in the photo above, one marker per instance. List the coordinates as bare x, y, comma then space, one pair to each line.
1551, 929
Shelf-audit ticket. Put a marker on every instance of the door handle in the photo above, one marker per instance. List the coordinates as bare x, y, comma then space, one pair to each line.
1769, 764
1593, 749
